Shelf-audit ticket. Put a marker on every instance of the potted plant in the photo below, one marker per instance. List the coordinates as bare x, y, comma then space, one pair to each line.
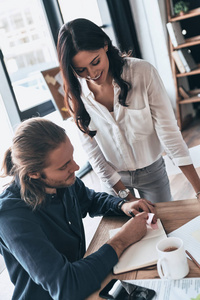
181, 7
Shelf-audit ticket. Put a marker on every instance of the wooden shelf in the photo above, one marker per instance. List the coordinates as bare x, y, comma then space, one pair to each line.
190, 100
190, 14
193, 72
189, 42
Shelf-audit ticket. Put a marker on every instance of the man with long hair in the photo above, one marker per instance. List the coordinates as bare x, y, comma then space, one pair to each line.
41, 231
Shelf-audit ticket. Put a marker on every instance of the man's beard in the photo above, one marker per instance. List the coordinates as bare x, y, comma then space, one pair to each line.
56, 185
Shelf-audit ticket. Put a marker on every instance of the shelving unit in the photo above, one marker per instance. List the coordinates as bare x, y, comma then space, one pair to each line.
190, 42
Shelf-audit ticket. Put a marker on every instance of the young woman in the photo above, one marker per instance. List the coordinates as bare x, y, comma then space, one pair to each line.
123, 112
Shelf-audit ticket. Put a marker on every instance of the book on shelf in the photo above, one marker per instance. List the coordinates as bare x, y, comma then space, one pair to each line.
142, 253
187, 59
178, 61
183, 92
175, 33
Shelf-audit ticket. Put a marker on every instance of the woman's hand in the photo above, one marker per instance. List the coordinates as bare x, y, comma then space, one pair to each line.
136, 206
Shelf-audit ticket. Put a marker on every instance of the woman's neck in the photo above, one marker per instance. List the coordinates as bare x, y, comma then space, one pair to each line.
103, 94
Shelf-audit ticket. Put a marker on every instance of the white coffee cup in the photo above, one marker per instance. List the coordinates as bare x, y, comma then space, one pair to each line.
172, 262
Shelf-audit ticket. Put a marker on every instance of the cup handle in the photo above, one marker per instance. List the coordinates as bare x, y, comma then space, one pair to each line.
160, 263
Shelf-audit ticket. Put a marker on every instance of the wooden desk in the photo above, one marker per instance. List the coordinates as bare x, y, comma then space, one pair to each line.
172, 214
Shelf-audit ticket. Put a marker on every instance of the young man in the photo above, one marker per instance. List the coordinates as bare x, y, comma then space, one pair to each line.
41, 231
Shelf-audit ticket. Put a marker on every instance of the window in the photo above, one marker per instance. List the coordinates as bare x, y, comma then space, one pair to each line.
87, 9
28, 48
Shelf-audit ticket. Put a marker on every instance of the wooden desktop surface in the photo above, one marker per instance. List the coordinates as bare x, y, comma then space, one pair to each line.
172, 215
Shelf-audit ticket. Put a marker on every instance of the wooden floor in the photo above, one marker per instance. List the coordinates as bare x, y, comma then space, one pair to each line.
192, 134
180, 187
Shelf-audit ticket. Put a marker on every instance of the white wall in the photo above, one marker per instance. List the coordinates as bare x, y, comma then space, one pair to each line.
150, 21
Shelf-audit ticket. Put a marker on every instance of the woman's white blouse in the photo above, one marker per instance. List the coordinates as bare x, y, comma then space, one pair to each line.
135, 136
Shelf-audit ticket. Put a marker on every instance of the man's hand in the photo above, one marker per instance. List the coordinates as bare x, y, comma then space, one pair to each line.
135, 206
131, 232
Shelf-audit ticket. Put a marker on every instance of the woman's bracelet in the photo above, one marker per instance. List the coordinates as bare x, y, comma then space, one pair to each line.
198, 193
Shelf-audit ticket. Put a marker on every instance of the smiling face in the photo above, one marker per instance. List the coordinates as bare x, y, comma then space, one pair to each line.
92, 65
61, 168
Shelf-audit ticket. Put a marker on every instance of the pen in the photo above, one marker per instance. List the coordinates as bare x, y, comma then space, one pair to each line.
193, 259
131, 213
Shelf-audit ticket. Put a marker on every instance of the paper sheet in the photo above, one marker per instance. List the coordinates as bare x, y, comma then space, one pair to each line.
190, 234
184, 289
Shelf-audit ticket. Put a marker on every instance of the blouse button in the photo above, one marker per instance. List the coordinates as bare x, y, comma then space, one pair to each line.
70, 223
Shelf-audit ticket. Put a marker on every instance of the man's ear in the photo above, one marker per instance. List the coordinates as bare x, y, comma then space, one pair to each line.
34, 175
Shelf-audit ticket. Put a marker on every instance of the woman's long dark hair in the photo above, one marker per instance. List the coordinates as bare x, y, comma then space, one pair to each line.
84, 35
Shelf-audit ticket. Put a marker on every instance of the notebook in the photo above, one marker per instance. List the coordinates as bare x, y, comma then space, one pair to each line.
142, 253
